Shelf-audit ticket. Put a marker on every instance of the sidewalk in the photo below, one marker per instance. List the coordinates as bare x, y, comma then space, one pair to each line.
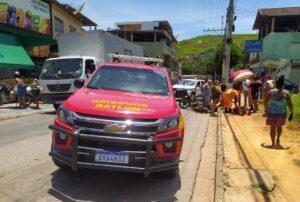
9, 111
252, 170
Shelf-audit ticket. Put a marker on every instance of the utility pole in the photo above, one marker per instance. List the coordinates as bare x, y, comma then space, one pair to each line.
228, 40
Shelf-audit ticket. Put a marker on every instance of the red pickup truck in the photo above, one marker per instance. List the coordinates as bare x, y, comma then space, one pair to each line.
123, 118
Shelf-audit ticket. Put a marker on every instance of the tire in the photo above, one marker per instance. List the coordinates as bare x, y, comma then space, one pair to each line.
61, 165
171, 173
192, 97
184, 103
28, 100
56, 106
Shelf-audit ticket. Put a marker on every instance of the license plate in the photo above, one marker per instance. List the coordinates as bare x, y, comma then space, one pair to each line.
112, 157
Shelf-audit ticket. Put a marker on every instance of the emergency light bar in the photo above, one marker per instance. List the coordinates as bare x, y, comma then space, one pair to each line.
135, 59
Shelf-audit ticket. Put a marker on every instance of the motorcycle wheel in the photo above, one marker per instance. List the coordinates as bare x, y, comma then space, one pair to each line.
28, 100
184, 103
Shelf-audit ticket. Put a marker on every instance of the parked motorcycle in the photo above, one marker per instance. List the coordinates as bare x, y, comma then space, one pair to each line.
7, 92
197, 104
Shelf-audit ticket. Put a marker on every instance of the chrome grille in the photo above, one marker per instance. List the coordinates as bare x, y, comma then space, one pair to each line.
116, 126
59, 87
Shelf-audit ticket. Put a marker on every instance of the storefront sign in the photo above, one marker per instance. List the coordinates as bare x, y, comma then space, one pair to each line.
33, 15
253, 46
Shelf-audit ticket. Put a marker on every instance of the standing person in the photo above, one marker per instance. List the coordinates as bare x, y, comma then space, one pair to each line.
206, 92
224, 86
268, 86
21, 90
277, 100
245, 84
216, 95
36, 91
239, 88
255, 88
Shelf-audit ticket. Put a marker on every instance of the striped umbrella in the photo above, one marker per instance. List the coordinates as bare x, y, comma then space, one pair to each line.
241, 75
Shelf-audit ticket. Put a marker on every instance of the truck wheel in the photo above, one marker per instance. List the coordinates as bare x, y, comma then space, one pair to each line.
61, 165
56, 106
171, 173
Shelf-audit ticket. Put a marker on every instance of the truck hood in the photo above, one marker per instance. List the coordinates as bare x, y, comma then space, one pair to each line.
182, 87
121, 104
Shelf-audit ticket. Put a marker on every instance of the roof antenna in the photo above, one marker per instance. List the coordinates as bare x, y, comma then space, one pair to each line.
79, 9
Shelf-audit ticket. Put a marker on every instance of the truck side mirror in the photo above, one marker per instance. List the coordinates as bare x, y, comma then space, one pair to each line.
78, 83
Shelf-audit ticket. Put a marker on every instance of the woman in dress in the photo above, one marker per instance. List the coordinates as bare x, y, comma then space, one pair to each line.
276, 102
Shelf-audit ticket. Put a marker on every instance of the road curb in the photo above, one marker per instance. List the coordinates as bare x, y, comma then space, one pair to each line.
219, 185
17, 115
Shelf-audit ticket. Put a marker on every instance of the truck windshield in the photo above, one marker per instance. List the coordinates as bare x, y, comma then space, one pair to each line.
62, 69
130, 80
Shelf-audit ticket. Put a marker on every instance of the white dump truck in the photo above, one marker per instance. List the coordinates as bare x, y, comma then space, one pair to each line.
79, 54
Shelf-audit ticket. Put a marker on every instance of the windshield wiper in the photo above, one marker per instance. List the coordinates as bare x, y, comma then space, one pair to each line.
94, 87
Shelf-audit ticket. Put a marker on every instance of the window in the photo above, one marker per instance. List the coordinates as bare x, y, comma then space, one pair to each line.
58, 25
89, 66
72, 29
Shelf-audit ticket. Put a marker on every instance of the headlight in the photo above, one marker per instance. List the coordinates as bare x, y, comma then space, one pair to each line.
65, 115
169, 123
189, 92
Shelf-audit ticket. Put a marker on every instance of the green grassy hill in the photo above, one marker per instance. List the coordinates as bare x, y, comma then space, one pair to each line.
205, 44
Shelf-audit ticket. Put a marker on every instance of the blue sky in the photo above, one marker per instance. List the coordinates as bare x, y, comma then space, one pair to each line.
187, 17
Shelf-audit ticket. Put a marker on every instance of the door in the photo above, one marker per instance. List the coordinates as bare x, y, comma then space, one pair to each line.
198, 88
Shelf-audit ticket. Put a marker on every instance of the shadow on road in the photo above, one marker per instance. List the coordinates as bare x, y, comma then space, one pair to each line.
277, 147
98, 185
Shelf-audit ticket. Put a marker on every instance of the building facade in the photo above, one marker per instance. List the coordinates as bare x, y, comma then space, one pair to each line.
156, 37
28, 29
279, 28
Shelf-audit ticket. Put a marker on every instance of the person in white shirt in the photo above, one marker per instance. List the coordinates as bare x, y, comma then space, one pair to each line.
245, 84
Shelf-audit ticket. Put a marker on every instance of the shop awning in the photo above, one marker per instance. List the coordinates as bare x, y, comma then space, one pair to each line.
28, 38
12, 53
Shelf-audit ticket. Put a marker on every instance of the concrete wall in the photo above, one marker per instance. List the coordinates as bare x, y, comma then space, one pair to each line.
282, 45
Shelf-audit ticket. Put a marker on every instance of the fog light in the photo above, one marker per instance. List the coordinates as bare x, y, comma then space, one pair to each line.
61, 138
169, 147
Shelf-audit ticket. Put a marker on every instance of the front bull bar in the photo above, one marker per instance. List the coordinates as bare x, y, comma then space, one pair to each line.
73, 161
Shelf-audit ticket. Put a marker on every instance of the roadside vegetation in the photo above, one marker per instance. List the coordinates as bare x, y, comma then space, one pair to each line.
203, 54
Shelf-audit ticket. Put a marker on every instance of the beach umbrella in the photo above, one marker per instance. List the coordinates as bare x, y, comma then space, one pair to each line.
234, 74
241, 75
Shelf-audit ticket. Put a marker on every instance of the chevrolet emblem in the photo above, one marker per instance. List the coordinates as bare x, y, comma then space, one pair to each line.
114, 128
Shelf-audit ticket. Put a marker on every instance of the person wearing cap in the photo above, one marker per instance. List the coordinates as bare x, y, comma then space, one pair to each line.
277, 101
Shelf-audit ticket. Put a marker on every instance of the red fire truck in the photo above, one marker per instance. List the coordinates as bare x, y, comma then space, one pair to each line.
123, 118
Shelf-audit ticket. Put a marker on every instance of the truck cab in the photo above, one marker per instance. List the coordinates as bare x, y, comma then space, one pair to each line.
124, 117
58, 76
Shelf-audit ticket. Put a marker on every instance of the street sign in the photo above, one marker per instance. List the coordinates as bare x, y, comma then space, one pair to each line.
253, 45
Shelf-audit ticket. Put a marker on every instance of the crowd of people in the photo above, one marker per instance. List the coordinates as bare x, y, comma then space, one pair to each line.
275, 100
20, 90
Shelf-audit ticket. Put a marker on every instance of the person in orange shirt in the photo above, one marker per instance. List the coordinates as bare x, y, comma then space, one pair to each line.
229, 97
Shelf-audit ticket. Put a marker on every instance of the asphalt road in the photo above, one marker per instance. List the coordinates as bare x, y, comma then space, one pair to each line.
28, 174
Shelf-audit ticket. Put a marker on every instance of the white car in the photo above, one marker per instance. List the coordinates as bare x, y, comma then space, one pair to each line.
191, 87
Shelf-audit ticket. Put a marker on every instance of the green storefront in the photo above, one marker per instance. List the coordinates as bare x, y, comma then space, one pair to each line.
23, 25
